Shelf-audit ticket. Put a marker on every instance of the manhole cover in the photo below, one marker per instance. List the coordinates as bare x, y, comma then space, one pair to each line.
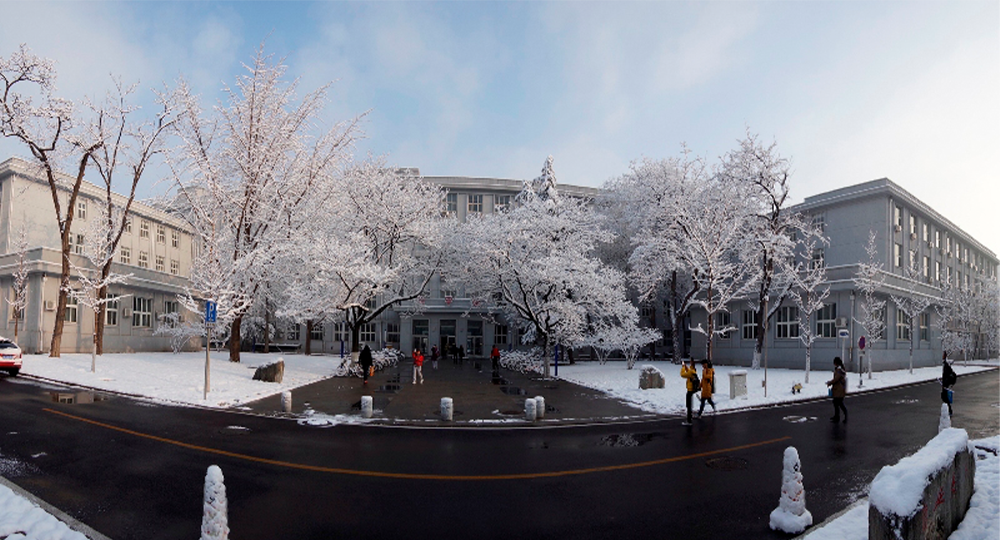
727, 463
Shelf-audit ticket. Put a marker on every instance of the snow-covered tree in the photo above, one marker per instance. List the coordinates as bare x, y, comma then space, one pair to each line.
868, 280
913, 303
19, 286
955, 317
250, 178
809, 294
215, 517
764, 175
791, 515
47, 127
377, 246
536, 264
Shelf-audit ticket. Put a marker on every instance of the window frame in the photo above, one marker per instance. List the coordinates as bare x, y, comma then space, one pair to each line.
748, 329
111, 307
826, 321
787, 325
474, 204
143, 228
142, 312
902, 325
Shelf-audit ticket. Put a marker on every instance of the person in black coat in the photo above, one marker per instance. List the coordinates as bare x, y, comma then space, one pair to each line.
948, 380
366, 362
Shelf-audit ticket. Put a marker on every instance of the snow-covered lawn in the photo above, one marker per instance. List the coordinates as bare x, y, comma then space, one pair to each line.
613, 379
982, 522
180, 378
20, 518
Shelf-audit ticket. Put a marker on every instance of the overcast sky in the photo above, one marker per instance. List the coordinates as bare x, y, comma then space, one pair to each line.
851, 91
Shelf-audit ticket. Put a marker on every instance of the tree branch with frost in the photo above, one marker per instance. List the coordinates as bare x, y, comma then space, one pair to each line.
868, 280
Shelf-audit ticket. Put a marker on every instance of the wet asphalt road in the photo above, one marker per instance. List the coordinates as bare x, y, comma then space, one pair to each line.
285, 480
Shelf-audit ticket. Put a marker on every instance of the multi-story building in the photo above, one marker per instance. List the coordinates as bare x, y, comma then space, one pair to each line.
908, 231
156, 249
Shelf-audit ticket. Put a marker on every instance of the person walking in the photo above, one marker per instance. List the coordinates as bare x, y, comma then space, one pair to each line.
434, 356
948, 380
495, 360
461, 355
365, 360
838, 389
707, 386
418, 366
690, 373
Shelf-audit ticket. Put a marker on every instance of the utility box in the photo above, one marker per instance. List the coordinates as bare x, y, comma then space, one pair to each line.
737, 384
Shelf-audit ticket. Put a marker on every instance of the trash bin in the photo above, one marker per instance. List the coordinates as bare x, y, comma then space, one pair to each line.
737, 384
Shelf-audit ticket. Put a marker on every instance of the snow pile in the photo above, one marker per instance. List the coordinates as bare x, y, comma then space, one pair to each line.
897, 489
180, 378
19, 518
982, 522
214, 521
944, 422
791, 515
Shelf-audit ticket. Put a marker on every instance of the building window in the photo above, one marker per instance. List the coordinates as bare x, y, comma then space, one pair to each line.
913, 224
897, 252
817, 259
175, 239
159, 263
128, 225
749, 324
826, 321
175, 267
111, 310
143, 229
475, 204
72, 305
451, 200
317, 332
500, 334
926, 229
161, 235
143, 259
125, 255
927, 268
913, 261
392, 333
937, 271
819, 222
340, 332
81, 209
724, 319
788, 323
937, 239
646, 311
925, 327
502, 203
947, 244
142, 312
292, 333
171, 312
367, 334
902, 325
77, 241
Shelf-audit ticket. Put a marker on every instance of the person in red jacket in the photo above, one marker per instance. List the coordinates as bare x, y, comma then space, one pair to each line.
418, 366
495, 360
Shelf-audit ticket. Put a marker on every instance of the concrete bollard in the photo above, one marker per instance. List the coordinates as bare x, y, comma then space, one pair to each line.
366, 406
286, 401
529, 410
539, 407
447, 408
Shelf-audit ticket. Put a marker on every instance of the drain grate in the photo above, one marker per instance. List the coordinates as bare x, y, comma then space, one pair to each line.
727, 463
513, 391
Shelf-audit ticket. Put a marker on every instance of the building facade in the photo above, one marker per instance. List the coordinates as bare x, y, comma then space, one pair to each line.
156, 249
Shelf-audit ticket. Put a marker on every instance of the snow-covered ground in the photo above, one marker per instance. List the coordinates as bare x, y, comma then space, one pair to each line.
180, 378
22, 519
613, 379
982, 522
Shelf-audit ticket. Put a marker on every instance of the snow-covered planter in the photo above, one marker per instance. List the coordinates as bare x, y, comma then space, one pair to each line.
925, 493
215, 521
791, 515
522, 361
651, 377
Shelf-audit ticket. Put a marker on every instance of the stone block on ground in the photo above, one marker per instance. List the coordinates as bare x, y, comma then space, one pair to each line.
273, 372
651, 377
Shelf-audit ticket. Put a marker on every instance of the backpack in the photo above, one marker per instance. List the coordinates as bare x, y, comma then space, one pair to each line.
695, 381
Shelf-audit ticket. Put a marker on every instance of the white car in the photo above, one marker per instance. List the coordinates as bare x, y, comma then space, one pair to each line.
10, 357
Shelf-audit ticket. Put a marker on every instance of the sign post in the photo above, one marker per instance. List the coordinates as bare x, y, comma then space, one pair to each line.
861, 360
210, 318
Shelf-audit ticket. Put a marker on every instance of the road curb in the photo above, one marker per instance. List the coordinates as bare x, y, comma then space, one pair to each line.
70, 522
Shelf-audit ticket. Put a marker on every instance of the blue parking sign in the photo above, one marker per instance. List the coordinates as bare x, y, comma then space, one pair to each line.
210, 312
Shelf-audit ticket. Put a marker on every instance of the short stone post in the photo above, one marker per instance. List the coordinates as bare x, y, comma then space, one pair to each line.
539, 407
791, 515
214, 520
286, 401
529, 410
366, 406
447, 408
944, 422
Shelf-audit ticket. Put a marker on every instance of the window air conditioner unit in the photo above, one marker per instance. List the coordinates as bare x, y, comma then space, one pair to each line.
913, 236
841, 322
126, 312
50, 305
930, 244
897, 228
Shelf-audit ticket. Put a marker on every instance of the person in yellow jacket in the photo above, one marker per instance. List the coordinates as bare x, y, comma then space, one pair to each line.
690, 373
707, 384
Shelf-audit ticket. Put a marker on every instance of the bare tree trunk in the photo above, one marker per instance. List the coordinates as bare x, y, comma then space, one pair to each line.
234, 339
267, 329
102, 293
309, 333
56, 344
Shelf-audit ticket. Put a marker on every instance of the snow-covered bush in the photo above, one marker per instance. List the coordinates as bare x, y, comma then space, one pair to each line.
382, 359
791, 515
215, 521
522, 361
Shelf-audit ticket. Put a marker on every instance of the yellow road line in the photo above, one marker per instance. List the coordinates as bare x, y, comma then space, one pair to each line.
410, 476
